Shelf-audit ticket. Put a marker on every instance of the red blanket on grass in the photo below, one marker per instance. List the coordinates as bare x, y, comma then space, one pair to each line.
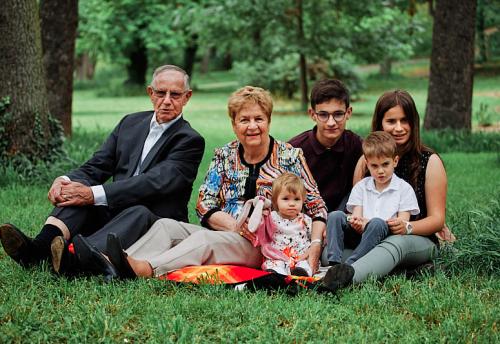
223, 274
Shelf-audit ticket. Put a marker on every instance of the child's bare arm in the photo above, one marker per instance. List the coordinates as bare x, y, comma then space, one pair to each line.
357, 211
404, 215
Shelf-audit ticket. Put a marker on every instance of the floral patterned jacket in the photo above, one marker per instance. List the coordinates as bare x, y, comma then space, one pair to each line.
230, 180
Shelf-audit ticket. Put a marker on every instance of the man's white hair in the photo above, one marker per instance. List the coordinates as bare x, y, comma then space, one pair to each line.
167, 68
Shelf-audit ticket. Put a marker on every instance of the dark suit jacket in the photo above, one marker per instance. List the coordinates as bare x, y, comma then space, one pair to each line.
167, 173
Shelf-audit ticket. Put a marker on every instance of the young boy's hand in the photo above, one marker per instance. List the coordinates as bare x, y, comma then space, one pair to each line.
357, 223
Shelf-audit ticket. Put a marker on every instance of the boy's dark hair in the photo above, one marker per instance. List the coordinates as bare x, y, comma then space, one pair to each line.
325, 90
379, 144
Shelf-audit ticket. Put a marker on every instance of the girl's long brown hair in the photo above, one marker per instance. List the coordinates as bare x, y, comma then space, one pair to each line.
413, 147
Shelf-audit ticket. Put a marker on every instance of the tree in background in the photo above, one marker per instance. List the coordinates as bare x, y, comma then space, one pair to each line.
385, 34
487, 28
285, 44
28, 132
139, 33
449, 100
279, 45
59, 20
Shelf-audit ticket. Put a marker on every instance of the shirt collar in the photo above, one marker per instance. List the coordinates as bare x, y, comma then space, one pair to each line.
393, 185
318, 148
153, 124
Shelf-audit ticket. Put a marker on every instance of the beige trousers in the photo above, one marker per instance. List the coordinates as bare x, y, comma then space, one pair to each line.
171, 245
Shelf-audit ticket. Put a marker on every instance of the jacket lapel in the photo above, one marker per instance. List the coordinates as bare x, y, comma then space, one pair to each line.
160, 143
142, 134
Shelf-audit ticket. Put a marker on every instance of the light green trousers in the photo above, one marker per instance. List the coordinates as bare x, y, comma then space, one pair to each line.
395, 250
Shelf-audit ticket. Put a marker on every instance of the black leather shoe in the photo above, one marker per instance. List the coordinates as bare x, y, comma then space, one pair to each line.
18, 246
337, 277
118, 257
90, 259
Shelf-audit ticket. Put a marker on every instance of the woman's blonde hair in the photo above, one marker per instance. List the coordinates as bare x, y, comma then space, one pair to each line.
250, 95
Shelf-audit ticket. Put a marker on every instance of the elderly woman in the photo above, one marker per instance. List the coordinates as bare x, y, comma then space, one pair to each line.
239, 171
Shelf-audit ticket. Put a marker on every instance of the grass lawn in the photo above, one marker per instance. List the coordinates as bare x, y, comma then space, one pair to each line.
458, 303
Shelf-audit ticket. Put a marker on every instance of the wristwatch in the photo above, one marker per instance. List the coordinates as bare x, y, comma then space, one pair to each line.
409, 228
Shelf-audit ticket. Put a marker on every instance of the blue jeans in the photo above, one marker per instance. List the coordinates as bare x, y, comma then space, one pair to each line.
338, 229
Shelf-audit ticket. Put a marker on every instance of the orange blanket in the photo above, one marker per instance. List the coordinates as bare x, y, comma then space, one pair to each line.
223, 274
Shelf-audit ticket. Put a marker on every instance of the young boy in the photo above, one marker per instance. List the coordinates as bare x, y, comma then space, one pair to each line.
372, 202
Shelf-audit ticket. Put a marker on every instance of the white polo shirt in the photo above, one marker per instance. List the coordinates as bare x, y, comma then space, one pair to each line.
398, 196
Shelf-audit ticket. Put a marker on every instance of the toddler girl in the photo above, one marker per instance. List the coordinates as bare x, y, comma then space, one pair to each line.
292, 232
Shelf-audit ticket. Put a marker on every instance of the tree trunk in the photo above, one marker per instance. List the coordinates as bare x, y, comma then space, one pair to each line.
28, 130
481, 37
59, 19
138, 64
205, 62
304, 96
85, 67
190, 55
227, 61
449, 100
386, 67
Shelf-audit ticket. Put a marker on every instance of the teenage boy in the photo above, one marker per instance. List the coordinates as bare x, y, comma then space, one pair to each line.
373, 201
330, 150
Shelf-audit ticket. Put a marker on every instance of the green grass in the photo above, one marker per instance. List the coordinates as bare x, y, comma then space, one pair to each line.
459, 303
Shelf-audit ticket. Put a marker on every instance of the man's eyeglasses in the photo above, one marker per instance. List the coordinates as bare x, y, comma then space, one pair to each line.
324, 116
173, 94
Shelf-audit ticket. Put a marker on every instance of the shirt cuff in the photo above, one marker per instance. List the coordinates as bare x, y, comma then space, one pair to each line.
99, 195
66, 178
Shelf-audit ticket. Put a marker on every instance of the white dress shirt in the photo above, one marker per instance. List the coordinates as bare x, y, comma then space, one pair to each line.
398, 196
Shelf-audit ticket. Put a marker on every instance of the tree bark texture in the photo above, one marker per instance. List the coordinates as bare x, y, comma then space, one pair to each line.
59, 20
449, 101
27, 131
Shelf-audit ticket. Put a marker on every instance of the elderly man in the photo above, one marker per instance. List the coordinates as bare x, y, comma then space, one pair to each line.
143, 171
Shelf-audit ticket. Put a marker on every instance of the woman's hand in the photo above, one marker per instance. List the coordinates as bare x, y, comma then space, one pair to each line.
397, 226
